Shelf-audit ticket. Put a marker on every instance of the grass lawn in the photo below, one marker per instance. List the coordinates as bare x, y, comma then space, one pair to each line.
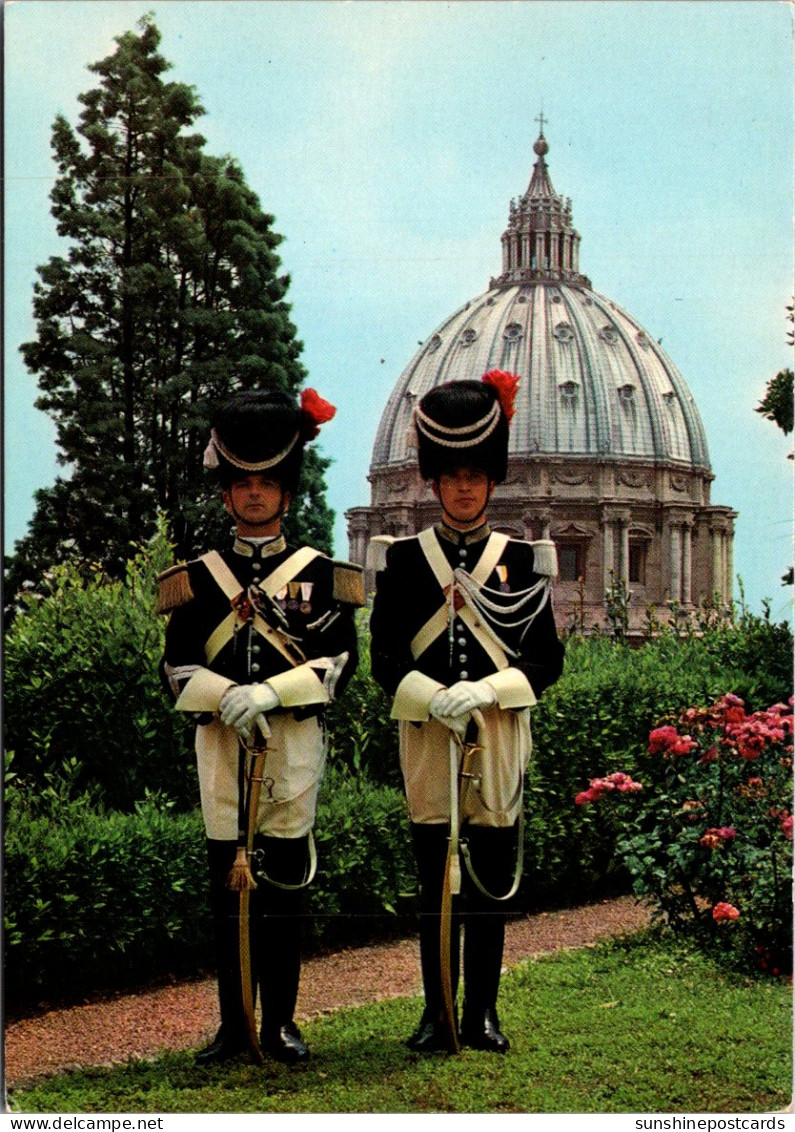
633, 1026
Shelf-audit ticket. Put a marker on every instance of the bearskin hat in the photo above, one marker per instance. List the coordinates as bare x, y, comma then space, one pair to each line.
465, 424
264, 431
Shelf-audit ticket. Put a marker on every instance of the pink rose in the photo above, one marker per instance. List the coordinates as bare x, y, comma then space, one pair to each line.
714, 837
683, 746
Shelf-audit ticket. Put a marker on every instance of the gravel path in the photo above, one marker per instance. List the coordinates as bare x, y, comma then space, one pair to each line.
178, 1017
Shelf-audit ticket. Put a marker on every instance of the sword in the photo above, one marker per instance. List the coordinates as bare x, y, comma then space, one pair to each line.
460, 757
241, 878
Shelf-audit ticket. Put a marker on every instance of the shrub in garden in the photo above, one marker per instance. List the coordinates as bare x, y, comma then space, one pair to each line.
81, 685
363, 737
597, 718
708, 835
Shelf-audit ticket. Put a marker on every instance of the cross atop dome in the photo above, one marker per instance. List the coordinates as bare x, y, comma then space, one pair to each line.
541, 147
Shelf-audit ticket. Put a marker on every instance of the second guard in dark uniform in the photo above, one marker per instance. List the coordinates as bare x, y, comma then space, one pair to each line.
260, 639
464, 640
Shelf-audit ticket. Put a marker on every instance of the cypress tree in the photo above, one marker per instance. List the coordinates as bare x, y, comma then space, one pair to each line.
168, 298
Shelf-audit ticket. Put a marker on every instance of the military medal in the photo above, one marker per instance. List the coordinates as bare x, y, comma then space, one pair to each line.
281, 597
502, 574
294, 589
306, 593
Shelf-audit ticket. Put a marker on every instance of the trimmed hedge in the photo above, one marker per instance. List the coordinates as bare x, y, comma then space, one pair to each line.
95, 901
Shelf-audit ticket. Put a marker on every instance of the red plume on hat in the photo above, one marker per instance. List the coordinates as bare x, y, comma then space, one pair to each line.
315, 412
506, 385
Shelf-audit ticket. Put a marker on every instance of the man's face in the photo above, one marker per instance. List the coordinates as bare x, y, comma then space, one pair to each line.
463, 494
256, 503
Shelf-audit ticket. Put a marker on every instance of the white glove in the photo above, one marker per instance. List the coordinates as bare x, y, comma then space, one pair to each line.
242, 704
458, 724
463, 698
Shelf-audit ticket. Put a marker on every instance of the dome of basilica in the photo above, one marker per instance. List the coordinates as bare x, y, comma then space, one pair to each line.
608, 455
594, 383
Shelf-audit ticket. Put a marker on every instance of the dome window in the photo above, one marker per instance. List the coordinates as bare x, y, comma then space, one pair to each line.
626, 392
642, 340
513, 332
469, 336
434, 344
608, 334
563, 332
568, 391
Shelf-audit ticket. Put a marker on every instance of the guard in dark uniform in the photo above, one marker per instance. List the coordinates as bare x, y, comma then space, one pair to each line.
464, 639
260, 639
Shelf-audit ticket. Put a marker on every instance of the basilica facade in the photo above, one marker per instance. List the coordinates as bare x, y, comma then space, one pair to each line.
608, 456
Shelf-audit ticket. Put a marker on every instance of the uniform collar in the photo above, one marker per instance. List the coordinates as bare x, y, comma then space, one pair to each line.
266, 549
463, 538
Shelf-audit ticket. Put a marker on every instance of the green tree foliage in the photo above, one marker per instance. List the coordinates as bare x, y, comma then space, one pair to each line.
168, 298
777, 406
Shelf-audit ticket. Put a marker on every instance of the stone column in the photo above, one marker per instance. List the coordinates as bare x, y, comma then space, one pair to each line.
623, 552
608, 554
537, 524
554, 251
360, 527
718, 564
687, 564
729, 591
676, 563
566, 251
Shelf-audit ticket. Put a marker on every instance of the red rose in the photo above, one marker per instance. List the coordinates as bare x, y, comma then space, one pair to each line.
723, 911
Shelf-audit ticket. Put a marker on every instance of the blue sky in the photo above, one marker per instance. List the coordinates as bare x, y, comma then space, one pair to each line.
388, 138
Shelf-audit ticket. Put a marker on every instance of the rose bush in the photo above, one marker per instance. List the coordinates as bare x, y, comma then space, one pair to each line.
707, 835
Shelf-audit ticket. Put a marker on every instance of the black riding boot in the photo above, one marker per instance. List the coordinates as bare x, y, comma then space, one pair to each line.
231, 1038
493, 857
277, 941
430, 850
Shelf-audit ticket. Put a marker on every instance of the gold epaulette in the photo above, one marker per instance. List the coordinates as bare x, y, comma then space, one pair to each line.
348, 583
173, 588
